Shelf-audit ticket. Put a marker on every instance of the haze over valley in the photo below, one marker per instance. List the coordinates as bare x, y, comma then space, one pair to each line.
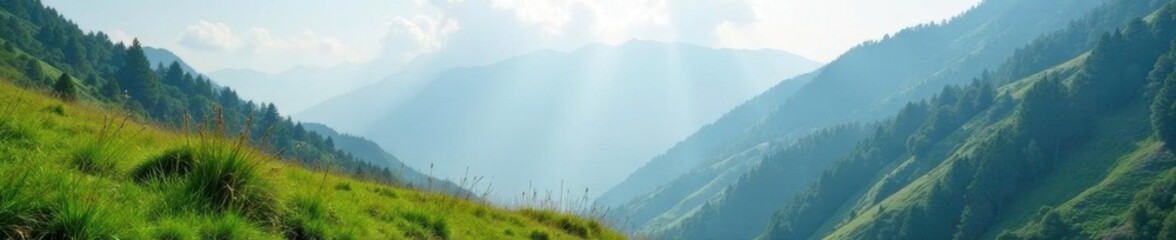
588, 119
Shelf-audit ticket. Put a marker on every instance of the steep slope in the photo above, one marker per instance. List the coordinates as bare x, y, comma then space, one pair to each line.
723, 217
582, 118
75, 171
743, 180
1075, 136
875, 80
78, 165
729, 126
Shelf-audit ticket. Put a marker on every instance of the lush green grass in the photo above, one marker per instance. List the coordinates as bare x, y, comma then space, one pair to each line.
70, 170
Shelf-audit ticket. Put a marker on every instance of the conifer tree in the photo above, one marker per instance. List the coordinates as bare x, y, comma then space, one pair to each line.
1164, 110
65, 88
137, 78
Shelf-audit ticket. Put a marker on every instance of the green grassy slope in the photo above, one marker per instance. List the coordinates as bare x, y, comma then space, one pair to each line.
72, 170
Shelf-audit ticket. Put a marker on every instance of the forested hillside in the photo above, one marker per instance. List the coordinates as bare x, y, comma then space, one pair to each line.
871, 81
1072, 151
863, 85
121, 76
722, 215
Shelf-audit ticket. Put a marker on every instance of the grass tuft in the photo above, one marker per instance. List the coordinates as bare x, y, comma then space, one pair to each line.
216, 176
228, 227
539, 235
308, 219
343, 186
426, 226
581, 228
18, 206
95, 158
173, 231
176, 162
71, 219
56, 109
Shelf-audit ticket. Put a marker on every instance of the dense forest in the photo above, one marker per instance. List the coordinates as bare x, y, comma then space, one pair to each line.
961, 165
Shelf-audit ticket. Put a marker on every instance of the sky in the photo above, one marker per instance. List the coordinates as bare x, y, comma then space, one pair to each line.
276, 35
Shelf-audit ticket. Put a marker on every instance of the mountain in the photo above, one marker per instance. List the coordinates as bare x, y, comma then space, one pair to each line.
92, 147
730, 215
299, 88
580, 118
1078, 150
163, 57
865, 84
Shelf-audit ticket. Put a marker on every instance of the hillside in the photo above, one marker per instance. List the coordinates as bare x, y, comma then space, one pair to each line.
554, 121
1076, 151
74, 170
730, 214
95, 144
869, 82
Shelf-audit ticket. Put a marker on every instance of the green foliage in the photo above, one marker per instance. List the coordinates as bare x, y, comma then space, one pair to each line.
140, 81
71, 219
1163, 106
95, 158
308, 221
19, 206
576, 227
424, 225
174, 231
65, 88
539, 235
224, 178
168, 95
228, 227
992, 169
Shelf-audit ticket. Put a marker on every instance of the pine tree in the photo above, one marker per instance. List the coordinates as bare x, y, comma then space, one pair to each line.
76, 56
137, 78
1164, 110
1046, 114
65, 88
173, 75
33, 70
112, 91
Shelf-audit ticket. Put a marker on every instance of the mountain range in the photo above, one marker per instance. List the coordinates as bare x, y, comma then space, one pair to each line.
550, 120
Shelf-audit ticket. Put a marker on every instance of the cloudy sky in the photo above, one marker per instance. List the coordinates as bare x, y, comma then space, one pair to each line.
274, 35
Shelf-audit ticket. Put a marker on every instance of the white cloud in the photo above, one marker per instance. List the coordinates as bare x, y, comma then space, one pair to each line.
551, 16
261, 41
263, 47
210, 36
420, 34
118, 36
